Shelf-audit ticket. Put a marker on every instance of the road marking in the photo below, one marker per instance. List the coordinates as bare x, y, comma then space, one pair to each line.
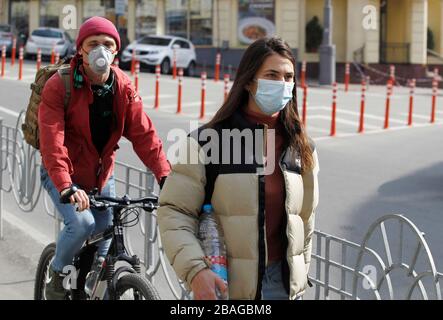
367, 115
343, 121
9, 111
15, 79
325, 91
174, 106
26, 228
349, 135
370, 116
160, 96
316, 129
419, 116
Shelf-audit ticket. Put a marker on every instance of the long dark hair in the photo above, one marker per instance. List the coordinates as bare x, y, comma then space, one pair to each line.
252, 60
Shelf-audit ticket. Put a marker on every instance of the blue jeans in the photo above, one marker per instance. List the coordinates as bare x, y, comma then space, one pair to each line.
79, 226
272, 283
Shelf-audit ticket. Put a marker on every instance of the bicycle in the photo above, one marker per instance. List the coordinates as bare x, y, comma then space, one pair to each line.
111, 283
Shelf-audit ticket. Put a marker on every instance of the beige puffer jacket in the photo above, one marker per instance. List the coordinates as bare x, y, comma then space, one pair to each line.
238, 202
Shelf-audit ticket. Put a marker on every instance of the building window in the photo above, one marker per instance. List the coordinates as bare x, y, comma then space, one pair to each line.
201, 22
177, 18
107, 9
19, 18
256, 20
93, 8
50, 12
146, 18
190, 19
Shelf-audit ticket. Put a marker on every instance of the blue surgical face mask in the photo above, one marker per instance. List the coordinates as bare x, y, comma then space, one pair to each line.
272, 96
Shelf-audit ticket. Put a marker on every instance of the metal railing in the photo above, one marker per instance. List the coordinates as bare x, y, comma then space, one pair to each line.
339, 268
362, 272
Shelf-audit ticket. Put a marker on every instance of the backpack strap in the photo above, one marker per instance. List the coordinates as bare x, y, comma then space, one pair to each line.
212, 171
65, 74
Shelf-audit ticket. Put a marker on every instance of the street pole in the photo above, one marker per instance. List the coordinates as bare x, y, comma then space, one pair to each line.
327, 49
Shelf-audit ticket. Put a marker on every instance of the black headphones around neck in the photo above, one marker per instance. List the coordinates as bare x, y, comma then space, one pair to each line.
79, 81
78, 77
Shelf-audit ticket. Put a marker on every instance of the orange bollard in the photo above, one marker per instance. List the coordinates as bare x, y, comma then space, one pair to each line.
14, 50
226, 87
392, 73
392, 76
203, 95
157, 86
303, 74
174, 64
334, 107
179, 96
388, 102
411, 101
3, 60
347, 76
434, 98
137, 70
53, 54
361, 126
305, 99
20, 66
39, 58
217, 67
133, 62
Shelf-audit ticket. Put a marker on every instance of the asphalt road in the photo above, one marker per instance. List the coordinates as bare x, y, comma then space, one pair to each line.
362, 176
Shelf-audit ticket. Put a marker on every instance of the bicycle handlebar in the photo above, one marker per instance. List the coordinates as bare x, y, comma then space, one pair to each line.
149, 203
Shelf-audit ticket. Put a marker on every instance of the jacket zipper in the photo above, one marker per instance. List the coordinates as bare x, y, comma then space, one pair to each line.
287, 215
99, 171
262, 257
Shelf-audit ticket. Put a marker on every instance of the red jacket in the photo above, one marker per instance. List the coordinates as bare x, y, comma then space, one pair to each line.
66, 146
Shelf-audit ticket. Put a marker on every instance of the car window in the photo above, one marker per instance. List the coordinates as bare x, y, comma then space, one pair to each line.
5, 28
155, 41
184, 44
47, 33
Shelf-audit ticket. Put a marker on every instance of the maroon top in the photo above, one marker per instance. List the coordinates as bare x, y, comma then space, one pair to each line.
274, 187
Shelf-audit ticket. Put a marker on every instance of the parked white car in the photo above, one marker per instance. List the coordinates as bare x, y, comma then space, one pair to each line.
45, 38
159, 50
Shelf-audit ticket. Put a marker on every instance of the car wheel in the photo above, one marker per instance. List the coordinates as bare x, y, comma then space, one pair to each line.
190, 70
165, 66
29, 56
124, 65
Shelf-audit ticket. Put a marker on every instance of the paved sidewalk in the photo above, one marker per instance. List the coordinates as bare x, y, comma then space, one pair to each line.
19, 254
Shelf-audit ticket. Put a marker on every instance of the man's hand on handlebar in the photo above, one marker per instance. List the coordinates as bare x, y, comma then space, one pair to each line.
78, 196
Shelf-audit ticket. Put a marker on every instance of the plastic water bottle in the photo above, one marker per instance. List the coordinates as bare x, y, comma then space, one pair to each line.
93, 277
212, 241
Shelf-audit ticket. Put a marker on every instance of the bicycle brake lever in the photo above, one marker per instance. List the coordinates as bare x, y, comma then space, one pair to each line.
65, 197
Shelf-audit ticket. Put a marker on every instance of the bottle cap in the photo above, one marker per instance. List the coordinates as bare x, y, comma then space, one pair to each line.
207, 208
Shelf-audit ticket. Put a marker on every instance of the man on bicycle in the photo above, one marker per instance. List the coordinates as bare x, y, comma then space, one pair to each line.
78, 143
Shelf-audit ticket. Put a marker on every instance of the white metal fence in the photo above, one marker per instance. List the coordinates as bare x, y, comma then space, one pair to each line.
386, 265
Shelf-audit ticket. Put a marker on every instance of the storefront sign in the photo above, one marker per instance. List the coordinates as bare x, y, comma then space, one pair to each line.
256, 20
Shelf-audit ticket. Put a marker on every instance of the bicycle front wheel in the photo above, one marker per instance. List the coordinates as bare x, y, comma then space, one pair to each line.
135, 287
42, 273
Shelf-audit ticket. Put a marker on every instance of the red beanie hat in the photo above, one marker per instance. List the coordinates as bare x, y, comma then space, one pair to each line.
97, 25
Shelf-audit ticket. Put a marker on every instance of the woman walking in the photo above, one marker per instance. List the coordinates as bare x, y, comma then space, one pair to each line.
261, 181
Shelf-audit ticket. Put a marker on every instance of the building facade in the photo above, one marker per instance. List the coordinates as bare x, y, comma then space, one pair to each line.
370, 31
